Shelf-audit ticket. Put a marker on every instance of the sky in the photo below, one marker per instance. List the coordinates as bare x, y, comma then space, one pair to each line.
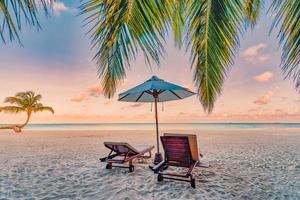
57, 63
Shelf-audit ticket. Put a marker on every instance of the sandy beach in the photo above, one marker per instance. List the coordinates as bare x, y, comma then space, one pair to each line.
246, 164
75, 74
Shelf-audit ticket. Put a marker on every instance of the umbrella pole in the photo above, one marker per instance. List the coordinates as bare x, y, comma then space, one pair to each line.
156, 121
158, 156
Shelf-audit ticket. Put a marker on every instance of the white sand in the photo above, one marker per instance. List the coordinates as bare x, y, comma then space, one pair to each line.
64, 165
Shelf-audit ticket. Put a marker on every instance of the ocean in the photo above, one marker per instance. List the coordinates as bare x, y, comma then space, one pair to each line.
162, 126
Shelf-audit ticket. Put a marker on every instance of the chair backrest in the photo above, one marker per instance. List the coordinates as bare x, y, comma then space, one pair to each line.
121, 148
192, 143
177, 150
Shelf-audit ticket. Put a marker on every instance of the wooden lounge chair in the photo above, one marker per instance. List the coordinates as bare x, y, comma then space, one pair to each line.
122, 153
180, 151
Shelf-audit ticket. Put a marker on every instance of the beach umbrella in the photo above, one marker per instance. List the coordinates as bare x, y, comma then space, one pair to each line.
155, 90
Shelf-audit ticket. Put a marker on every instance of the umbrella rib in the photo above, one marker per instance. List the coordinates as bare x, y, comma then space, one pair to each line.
123, 97
161, 91
190, 91
175, 94
139, 96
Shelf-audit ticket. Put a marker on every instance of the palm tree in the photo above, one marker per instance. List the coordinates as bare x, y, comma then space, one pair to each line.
209, 29
27, 102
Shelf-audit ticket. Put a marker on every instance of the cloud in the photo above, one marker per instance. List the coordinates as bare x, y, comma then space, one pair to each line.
107, 103
94, 90
254, 55
258, 114
182, 113
253, 50
189, 115
79, 98
265, 99
57, 7
264, 77
135, 105
91, 91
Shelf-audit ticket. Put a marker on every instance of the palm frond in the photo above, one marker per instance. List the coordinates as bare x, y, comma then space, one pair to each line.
24, 95
177, 20
11, 109
287, 17
214, 28
252, 10
28, 101
15, 13
37, 98
119, 30
28, 97
15, 100
41, 108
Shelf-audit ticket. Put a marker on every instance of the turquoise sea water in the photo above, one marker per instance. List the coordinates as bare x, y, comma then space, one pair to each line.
162, 126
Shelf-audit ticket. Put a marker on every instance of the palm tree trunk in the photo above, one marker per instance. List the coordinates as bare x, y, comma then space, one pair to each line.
14, 127
6, 127
27, 120
18, 128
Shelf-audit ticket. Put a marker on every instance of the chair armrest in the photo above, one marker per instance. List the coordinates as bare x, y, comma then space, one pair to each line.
108, 157
204, 165
103, 159
157, 167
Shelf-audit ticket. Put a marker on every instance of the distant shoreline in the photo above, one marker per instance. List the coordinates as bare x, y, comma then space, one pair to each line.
204, 123
162, 126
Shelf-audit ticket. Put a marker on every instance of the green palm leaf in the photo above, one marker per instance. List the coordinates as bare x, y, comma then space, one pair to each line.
15, 13
252, 10
41, 108
178, 8
119, 30
25, 101
15, 100
12, 109
287, 17
214, 27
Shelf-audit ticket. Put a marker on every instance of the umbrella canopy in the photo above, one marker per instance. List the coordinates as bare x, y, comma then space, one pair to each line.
155, 90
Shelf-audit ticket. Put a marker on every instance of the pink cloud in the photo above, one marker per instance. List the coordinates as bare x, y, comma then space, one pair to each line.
57, 7
107, 103
254, 55
94, 90
253, 50
91, 91
79, 98
135, 105
182, 113
265, 99
264, 77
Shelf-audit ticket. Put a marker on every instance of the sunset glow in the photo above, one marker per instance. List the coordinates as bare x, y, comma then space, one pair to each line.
56, 62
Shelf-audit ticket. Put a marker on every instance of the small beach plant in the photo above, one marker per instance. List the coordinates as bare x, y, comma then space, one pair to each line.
27, 102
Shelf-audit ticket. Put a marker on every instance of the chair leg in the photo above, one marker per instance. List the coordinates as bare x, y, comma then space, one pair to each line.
193, 182
108, 166
131, 167
160, 177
